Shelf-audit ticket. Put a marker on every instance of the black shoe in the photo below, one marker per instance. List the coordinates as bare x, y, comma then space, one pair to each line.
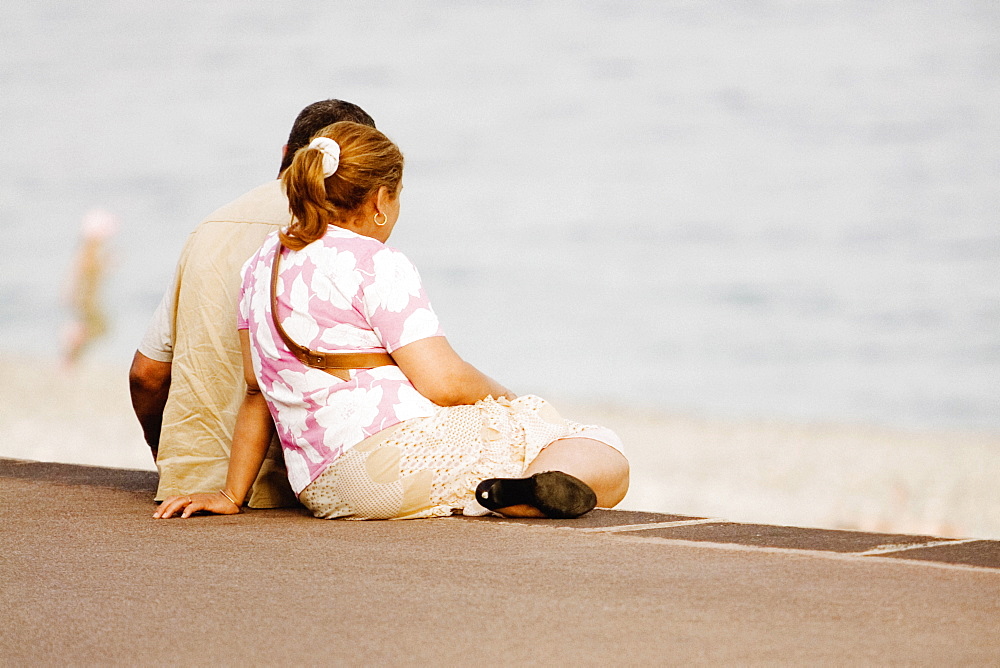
558, 495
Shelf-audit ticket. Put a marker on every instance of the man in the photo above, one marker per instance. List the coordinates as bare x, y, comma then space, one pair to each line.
186, 378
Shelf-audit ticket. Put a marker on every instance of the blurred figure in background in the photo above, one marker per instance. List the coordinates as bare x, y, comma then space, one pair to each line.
89, 321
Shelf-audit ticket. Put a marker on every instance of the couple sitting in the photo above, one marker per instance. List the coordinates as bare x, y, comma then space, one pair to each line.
337, 351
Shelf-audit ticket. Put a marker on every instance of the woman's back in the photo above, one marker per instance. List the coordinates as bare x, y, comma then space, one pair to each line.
342, 293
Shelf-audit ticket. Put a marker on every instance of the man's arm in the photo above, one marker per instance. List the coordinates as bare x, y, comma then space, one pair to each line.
149, 377
149, 384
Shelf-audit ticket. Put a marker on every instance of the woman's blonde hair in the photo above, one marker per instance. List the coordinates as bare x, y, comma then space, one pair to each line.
368, 161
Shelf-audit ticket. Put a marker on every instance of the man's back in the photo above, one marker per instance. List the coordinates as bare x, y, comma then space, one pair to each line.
186, 378
207, 386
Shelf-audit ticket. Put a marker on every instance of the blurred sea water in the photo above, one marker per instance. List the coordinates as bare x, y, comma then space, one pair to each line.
758, 209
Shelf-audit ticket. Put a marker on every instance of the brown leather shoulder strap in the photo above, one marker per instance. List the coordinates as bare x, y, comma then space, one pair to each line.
313, 358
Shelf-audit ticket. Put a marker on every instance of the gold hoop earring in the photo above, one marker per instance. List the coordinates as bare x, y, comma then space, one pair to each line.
385, 219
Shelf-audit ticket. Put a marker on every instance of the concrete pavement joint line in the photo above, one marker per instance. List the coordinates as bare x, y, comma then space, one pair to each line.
903, 547
856, 557
651, 525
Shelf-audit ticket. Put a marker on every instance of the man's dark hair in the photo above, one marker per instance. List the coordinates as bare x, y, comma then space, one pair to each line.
317, 116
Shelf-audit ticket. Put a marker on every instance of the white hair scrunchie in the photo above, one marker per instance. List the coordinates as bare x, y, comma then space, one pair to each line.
331, 154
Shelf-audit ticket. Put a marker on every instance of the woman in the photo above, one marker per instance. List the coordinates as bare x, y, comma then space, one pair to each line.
403, 427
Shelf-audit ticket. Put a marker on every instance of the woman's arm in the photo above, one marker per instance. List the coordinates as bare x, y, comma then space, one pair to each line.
254, 429
439, 374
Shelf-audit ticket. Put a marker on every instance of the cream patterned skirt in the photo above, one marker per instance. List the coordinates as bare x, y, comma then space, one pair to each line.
430, 467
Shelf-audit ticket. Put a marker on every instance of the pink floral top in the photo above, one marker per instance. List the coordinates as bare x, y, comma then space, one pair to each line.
342, 293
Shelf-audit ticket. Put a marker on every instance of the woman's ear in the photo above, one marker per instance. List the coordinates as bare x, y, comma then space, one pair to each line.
383, 200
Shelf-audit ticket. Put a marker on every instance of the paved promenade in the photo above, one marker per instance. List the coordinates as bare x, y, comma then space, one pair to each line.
87, 577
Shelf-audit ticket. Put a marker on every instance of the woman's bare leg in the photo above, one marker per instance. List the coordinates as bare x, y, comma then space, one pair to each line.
599, 465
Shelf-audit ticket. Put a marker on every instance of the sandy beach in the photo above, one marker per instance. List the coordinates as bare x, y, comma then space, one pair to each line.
830, 476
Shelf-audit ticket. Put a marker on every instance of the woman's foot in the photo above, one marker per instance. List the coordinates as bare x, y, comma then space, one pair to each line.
556, 494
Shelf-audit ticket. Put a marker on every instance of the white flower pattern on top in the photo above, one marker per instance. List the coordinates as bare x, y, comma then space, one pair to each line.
409, 401
342, 293
341, 283
396, 281
349, 336
420, 324
299, 325
347, 415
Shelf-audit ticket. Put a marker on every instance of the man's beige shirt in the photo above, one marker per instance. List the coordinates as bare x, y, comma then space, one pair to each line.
195, 330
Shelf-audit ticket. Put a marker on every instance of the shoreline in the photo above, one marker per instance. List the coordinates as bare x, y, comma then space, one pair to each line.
853, 477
